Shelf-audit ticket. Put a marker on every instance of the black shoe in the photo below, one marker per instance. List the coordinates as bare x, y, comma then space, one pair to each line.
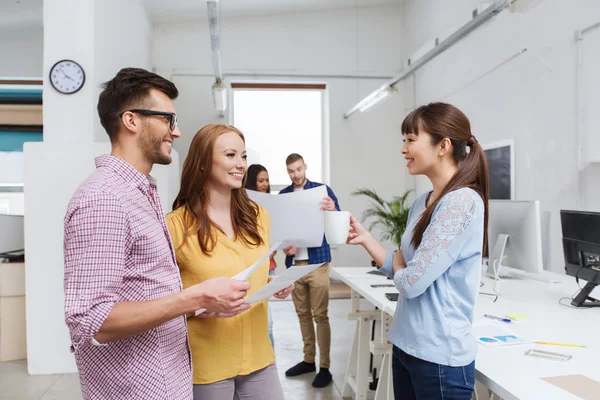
322, 379
301, 368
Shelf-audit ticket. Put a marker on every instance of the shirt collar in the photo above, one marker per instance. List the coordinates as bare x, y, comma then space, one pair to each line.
307, 185
125, 170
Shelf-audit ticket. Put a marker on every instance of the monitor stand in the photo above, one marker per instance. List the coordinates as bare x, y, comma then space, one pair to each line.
583, 298
499, 271
497, 255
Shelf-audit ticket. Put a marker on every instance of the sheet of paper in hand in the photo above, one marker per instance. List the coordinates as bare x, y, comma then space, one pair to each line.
245, 274
284, 280
296, 218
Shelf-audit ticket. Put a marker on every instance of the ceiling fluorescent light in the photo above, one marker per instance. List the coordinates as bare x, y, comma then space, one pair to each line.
219, 91
374, 98
480, 17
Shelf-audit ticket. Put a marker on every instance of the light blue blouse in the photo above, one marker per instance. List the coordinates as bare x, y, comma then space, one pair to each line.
440, 283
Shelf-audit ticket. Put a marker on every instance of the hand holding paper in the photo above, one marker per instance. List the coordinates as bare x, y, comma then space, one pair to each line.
327, 204
245, 274
283, 281
282, 294
290, 251
220, 295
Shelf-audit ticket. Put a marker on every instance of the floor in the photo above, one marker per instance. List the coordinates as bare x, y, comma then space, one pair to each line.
16, 384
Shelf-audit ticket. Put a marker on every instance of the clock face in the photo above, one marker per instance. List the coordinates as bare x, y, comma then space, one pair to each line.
67, 76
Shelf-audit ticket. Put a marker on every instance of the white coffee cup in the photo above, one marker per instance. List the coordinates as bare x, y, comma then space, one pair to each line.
337, 225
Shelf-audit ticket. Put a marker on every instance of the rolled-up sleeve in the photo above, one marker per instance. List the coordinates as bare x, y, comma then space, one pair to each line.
96, 243
386, 268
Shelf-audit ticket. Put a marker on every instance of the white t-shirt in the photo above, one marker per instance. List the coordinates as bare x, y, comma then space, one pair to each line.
301, 252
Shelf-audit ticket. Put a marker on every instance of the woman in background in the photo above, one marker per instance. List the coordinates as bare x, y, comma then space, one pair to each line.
257, 178
438, 269
218, 231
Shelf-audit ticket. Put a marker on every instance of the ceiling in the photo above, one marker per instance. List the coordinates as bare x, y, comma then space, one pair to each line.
29, 13
161, 11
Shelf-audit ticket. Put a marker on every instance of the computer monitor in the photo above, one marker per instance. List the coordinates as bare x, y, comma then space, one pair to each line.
515, 236
581, 245
501, 169
12, 237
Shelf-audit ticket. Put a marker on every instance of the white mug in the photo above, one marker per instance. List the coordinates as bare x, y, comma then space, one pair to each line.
337, 226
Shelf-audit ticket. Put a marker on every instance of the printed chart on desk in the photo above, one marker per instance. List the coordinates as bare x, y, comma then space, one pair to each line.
495, 334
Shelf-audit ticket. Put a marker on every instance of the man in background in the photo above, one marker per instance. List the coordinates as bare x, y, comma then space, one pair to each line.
311, 293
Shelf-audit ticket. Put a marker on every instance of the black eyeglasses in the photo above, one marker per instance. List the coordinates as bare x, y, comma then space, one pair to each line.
172, 116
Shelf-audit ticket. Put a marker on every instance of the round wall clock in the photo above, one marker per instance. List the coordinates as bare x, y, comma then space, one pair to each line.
66, 76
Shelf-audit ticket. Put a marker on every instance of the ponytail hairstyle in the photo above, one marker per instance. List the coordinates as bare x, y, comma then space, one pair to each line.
441, 120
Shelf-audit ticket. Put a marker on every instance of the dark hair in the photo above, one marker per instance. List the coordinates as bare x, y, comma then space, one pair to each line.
193, 194
252, 175
292, 158
129, 89
441, 120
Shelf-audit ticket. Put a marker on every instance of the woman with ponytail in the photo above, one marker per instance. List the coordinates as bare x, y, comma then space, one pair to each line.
438, 269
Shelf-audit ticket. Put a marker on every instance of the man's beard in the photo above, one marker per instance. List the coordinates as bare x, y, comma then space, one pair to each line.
152, 148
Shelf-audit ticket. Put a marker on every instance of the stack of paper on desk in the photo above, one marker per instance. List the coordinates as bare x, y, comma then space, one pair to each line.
296, 218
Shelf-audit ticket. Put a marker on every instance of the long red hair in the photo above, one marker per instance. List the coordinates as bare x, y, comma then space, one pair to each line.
193, 194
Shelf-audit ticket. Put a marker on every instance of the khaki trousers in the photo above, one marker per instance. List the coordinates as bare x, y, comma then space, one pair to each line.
311, 299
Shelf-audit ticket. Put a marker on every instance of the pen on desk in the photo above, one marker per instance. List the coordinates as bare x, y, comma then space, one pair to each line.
563, 344
497, 318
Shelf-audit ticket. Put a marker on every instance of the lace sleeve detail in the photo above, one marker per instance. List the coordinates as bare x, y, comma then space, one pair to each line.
433, 257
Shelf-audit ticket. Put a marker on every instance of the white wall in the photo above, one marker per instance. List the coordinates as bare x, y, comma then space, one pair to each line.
21, 51
122, 39
338, 42
531, 98
328, 46
110, 35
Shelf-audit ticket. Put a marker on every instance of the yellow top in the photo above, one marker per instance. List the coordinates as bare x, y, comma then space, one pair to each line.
223, 348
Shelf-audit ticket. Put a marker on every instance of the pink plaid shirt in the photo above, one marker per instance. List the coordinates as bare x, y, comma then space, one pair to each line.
117, 248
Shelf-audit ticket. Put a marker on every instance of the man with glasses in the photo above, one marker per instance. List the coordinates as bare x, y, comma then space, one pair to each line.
124, 303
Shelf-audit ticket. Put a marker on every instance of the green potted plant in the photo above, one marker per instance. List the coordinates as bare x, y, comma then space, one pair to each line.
392, 215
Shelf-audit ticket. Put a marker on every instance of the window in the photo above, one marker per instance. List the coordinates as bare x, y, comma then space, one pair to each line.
280, 119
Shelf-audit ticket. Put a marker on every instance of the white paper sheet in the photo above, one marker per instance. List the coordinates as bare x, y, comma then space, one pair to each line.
284, 280
245, 274
296, 218
496, 334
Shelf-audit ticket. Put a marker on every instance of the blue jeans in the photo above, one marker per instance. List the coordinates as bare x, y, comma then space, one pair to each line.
416, 379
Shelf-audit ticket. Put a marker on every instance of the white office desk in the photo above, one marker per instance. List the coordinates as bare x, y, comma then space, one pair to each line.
506, 370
